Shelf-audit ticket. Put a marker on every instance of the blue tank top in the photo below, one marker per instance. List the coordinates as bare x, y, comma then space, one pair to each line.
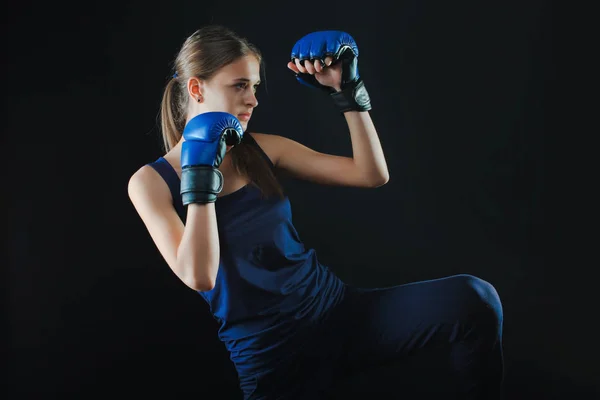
269, 286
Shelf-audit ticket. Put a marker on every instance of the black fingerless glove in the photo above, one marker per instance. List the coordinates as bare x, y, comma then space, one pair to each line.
352, 97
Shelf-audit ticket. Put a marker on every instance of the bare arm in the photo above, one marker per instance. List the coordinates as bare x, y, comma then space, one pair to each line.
198, 251
366, 168
366, 149
190, 250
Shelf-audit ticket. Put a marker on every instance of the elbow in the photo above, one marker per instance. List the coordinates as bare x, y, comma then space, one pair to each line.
201, 284
379, 181
201, 278
385, 179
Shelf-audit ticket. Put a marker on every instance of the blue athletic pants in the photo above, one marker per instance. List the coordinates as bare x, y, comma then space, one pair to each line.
458, 319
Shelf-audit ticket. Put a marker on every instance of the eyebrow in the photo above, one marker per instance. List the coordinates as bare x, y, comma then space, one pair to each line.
245, 80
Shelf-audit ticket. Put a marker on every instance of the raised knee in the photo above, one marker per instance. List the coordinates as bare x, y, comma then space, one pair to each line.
484, 297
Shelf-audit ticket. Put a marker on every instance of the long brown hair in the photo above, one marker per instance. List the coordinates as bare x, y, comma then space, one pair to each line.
202, 54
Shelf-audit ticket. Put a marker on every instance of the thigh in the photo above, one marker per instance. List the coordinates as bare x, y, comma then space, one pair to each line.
306, 369
395, 322
303, 376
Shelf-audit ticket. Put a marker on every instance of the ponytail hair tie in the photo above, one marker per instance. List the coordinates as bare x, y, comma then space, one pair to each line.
175, 75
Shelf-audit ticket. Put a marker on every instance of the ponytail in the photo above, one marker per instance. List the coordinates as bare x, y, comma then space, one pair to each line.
170, 118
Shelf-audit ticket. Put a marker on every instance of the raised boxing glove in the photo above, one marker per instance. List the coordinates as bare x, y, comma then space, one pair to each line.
342, 48
206, 138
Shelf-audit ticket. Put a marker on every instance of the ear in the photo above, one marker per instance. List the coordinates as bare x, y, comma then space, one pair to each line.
195, 88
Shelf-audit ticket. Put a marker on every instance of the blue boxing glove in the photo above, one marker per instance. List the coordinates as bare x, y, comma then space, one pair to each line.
342, 48
206, 138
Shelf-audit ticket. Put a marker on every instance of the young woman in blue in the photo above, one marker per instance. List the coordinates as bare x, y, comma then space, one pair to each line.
291, 326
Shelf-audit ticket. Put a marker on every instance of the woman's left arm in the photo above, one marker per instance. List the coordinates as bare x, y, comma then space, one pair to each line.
366, 148
366, 168
328, 60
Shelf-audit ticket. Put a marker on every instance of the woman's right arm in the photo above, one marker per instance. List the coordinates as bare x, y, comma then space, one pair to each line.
191, 250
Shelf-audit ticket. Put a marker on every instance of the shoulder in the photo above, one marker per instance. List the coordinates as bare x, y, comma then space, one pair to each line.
146, 185
268, 143
272, 145
145, 176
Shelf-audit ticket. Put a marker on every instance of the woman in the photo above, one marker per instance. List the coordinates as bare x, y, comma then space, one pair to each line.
213, 207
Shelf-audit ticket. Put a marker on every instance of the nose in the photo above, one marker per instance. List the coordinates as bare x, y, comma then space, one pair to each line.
251, 99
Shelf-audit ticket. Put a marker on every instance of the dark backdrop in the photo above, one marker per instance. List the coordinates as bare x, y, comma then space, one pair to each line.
460, 99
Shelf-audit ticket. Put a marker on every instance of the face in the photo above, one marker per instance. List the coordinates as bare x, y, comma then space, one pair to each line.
232, 90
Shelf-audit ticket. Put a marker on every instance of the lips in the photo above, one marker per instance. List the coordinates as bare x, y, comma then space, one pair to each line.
244, 116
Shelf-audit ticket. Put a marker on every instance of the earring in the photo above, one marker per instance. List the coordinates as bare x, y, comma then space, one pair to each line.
199, 99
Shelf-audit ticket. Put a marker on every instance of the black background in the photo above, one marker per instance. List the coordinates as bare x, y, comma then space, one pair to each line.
460, 94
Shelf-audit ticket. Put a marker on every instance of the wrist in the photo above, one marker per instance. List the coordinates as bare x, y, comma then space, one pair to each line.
200, 184
354, 97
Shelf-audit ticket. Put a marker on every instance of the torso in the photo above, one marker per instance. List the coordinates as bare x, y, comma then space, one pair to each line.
232, 180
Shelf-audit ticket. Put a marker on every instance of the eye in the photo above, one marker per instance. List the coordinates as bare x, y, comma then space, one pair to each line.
244, 86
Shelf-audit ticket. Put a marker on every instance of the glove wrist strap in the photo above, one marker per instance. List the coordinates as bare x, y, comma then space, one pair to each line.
353, 97
200, 184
